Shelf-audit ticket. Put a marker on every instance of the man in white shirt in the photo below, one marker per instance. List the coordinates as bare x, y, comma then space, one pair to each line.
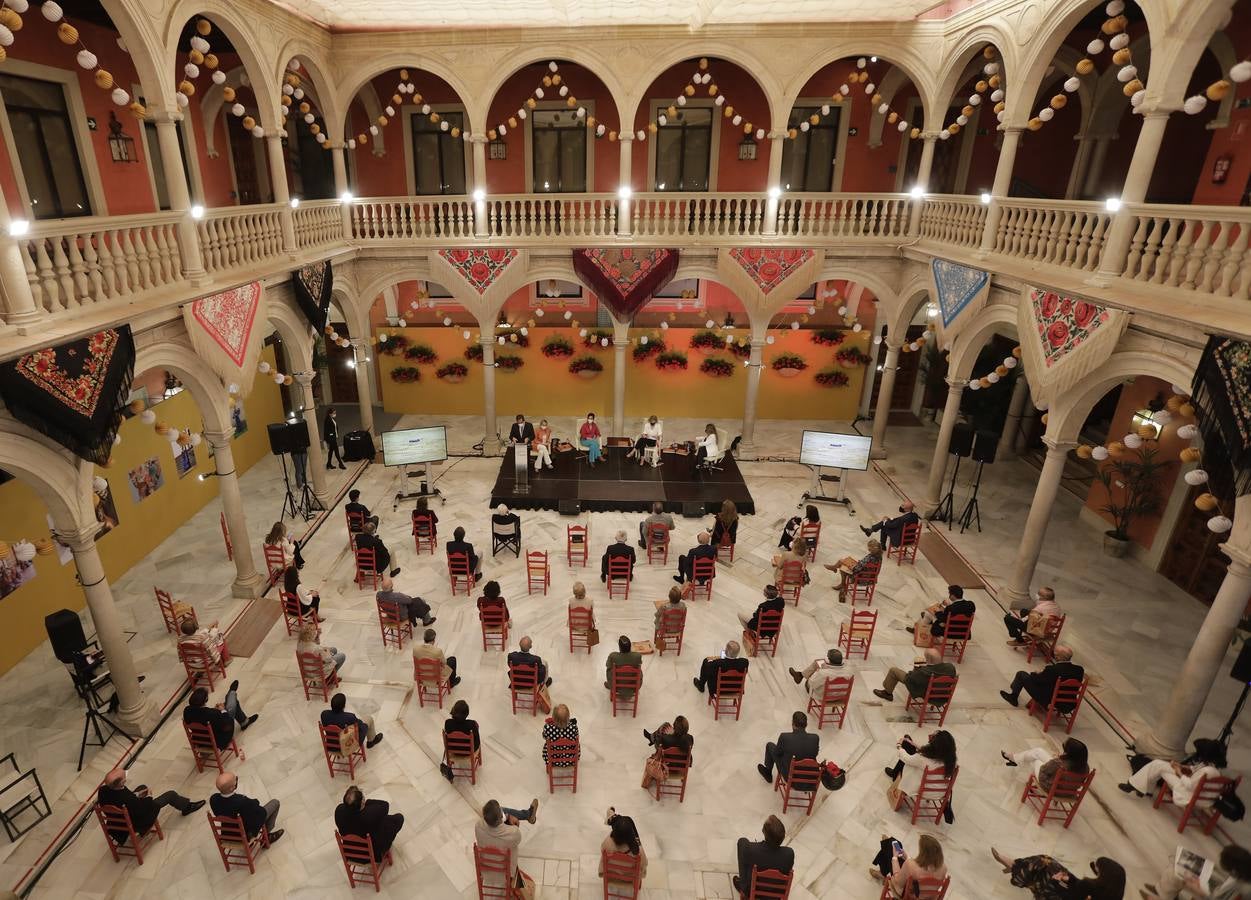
500, 828
1018, 621
819, 671
649, 438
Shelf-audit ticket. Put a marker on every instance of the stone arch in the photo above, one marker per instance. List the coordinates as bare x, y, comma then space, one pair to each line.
598, 66
212, 104
355, 310
915, 295
891, 85
969, 50
320, 89
295, 332
62, 480
177, 355
1069, 412
361, 77
143, 44
907, 58
754, 67
1176, 59
969, 343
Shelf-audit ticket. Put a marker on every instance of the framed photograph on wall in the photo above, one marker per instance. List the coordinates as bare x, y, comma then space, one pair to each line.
145, 479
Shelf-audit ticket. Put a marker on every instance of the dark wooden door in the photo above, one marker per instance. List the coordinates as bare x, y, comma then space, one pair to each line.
242, 154
905, 373
342, 373
1193, 561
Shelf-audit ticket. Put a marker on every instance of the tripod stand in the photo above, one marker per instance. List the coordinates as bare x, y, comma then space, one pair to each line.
307, 504
1228, 730
971, 510
944, 511
93, 719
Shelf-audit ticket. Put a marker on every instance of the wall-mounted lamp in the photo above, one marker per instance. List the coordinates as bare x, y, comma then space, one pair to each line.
18, 227
295, 202
346, 197
205, 476
1112, 204
497, 149
197, 212
479, 195
747, 148
985, 197
121, 145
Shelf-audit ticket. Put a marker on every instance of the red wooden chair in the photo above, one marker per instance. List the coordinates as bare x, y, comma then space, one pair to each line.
909, 541
863, 585
173, 612
233, 843
620, 569
313, 675
731, 686
495, 873
790, 581
765, 637
1200, 811
804, 779
1046, 644
357, 854
204, 749
460, 573
293, 615
1066, 700
199, 664
577, 538
1063, 798
425, 532
355, 525
933, 795
460, 756
920, 889
538, 572
494, 628
562, 757
336, 759
366, 569
725, 548
622, 875
670, 630
394, 624
657, 541
116, 820
937, 699
703, 571
230, 547
811, 532
581, 621
275, 561
624, 688
769, 884
855, 636
957, 632
677, 767
523, 686
834, 701
431, 685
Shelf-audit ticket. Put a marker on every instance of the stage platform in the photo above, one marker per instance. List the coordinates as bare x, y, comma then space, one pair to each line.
621, 484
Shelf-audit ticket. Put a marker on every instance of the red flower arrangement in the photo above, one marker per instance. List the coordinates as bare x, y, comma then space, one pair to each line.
829, 337
832, 378
557, 347
393, 345
647, 351
586, 364
852, 356
420, 353
514, 337
473, 353
452, 371
593, 338
707, 340
717, 367
405, 375
671, 360
742, 351
509, 363
788, 361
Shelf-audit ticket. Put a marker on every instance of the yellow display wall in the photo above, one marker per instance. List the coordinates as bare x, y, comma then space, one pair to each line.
141, 526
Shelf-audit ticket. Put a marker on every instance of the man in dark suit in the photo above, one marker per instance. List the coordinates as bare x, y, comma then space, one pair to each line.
713, 666
338, 716
226, 802
458, 544
918, 680
761, 855
354, 505
773, 602
954, 605
624, 655
221, 718
359, 817
522, 431
330, 434
1041, 685
523, 657
798, 744
892, 529
620, 548
142, 806
369, 540
703, 549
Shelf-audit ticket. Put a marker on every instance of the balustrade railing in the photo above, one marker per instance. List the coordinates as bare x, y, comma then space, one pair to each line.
1053, 232
552, 215
318, 223
1195, 248
410, 219
698, 215
953, 219
843, 215
240, 236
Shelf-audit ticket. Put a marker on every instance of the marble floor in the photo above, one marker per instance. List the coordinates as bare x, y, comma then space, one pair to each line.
1121, 615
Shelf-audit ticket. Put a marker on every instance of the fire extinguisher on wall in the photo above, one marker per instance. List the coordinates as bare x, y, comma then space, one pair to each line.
1220, 168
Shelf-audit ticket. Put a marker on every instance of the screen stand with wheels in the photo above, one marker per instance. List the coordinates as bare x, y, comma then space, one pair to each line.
818, 495
423, 472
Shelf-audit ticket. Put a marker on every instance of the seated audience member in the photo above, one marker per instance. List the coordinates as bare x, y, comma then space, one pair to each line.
675, 602
792, 745
369, 540
791, 530
894, 865
559, 726
1032, 619
823, 669
918, 680
847, 574
713, 666
542, 446
491, 599
581, 601
354, 505
423, 512
458, 544
310, 601
460, 723
208, 637
522, 431
658, 517
705, 447
892, 528
412, 608
703, 549
1042, 685
953, 605
338, 716
499, 828
142, 806
1182, 778
668, 735
725, 525
505, 521
1047, 878
1072, 758
761, 855
427, 650
227, 802
332, 658
797, 554
623, 837
624, 655
278, 537
221, 718
649, 438
371, 819
616, 550
523, 657
1230, 879
939, 751
773, 602
589, 437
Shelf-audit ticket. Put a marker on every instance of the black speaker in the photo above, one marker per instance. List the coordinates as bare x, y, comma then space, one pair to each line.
288, 437
65, 633
1242, 665
570, 507
961, 439
693, 509
985, 446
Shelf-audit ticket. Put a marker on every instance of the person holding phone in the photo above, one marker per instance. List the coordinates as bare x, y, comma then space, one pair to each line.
894, 866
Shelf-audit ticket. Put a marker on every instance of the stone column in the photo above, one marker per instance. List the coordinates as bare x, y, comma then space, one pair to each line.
316, 458
755, 365
360, 353
777, 140
625, 223
176, 188
1094, 169
1137, 180
341, 187
866, 393
1027, 412
1003, 180
938, 466
481, 226
924, 168
490, 440
1031, 541
885, 389
619, 346
282, 194
1077, 174
17, 303
248, 582
1012, 424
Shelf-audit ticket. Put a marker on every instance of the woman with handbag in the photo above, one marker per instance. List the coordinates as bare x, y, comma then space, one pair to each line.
667, 736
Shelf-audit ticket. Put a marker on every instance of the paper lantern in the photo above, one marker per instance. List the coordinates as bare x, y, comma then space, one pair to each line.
1034, 124
1099, 453
67, 33
1190, 454
21, 6
264, 367
1115, 448
1059, 101
24, 551
1132, 441
1046, 114
1206, 502
1240, 72
1147, 432
203, 27
162, 428
1084, 67
1186, 432
249, 123
1218, 90
1083, 451
1220, 524
210, 60
1128, 73
1114, 25
1132, 88
1122, 57
147, 417
1196, 477
228, 93
1186, 410
120, 97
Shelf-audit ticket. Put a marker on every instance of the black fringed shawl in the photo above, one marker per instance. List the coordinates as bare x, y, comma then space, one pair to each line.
1222, 397
312, 285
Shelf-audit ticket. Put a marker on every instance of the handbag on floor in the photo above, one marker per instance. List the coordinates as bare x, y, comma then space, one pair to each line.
592, 637
544, 700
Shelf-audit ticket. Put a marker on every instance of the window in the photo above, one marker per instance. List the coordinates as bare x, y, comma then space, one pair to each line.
808, 160
438, 158
684, 150
44, 141
157, 162
559, 150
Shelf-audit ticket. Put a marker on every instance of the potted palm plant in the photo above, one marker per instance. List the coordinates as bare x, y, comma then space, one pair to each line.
1131, 483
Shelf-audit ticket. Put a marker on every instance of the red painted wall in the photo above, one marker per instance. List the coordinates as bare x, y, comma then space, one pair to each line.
1230, 141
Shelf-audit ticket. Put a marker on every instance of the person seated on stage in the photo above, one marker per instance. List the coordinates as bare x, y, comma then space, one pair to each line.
458, 544
847, 573
428, 650
703, 549
227, 802
954, 605
504, 521
761, 855
581, 601
1045, 766
523, 657
917, 681
542, 446
460, 723
310, 601
208, 637
797, 554
798, 743
369, 540
658, 517
713, 666
278, 537
412, 608
623, 837
706, 447
589, 437
332, 658
557, 727
354, 505
675, 602
773, 602
725, 525
815, 675
422, 512
221, 718
491, 598
795, 523
522, 431
624, 655
1182, 778
339, 717
371, 819
892, 529
1032, 619
649, 438
614, 551
1041, 686
142, 806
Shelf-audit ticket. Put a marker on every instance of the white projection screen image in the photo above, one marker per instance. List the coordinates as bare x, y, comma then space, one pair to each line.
414, 446
837, 451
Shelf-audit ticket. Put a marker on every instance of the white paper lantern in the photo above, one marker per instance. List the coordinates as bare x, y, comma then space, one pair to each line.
603, 342
1115, 7
539, 312
877, 339
1196, 477
191, 70
264, 367
552, 66
351, 143
996, 95
199, 43
641, 135
1127, 74
737, 120
237, 109
1162, 418
944, 135
502, 341
1186, 432
975, 100
582, 333
760, 134
1010, 362
962, 119
120, 97
402, 323
1195, 105
87, 59
1220, 524
770, 339
662, 120
643, 340
883, 108
825, 110
993, 377
991, 68
1100, 453
20, 7
1136, 100
538, 92
804, 126
568, 315
1119, 42
870, 88
564, 90
1072, 84
729, 339
1132, 441
794, 326
1095, 47
861, 63
975, 385
98, 484
664, 326
842, 310
844, 90
288, 90
147, 417
1001, 115
1046, 113
219, 77
1240, 72
6, 36
259, 132
278, 377
173, 435
298, 93
51, 11
857, 327
24, 551
465, 335
373, 129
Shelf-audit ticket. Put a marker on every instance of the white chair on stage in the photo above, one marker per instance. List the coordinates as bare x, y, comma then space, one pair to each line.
713, 462
651, 455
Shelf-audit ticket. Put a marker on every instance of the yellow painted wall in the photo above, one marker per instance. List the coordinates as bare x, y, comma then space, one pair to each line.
141, 526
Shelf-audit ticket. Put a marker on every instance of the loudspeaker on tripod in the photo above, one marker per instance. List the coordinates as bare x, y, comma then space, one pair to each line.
1242, 665
985, 446
288, 437
961, 439
65, 633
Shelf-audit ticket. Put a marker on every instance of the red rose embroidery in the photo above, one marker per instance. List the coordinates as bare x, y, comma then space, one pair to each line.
458, 256
499, 256
1066, 306
767, 272
480, 273
1057, 334
1048, 305
1083, 313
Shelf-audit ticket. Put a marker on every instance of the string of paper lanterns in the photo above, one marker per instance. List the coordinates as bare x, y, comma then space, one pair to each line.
1000, 371
404, 88
181, 437
990, 79
1114, 29
702, 78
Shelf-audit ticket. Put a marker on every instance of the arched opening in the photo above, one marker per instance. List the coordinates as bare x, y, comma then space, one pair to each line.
966, 157
310, 171
920, 369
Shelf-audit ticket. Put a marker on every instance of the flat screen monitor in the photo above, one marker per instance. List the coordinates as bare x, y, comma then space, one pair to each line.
837, 451
414, 446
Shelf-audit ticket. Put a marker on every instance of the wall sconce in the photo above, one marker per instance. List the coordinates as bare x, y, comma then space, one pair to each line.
497, 149
121, 145
747, 149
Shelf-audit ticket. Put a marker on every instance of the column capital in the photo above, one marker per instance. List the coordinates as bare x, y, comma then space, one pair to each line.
475, 138
891, 347
305, 378
776, 135
955, 385
165, 116
625, 138
620, 343
218, 440
1057, 446
80, 539
359, 343
1239, 559
1012, 129
929, 136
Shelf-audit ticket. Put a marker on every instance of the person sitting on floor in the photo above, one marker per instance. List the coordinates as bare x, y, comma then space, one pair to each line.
460, 723
1230, 879
227, 802
658, 517
872, 561
412, 608
208, 637
1032, 619
773, 602
624, 655
616, 551
310, 601
368, 540
221, 718
823, 669
623, 837
703, 549
761, 855
458, 544
1182, 778
142, 806
711, 668
355, 507
1072, 758
790, 746
491, 599
332, 658
893, 865
1041, 686
917, 681
371, 819
427, 650
793, 525
892, 528
1047, 878
523, 657
560, 726
339, 717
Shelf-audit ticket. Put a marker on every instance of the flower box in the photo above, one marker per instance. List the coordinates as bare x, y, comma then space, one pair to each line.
420, 353
557, 348
788, 365
452, 373
717, 367
586, 367
707, 342
405, 375
829, 337
832, 378
646, 351
394, 345
671, 360
508, 363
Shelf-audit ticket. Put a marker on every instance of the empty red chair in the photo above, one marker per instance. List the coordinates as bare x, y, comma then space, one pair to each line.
204, 747
1066, 700
620, 569
275, 560
922, 888
523, 685
1062, 799
1046, 644
173, 611
459, 573
538, 572
313, 675
677, 768
576, 542
909, 540
669, 632
581, 621
863, 584
832, 705
790, 581
562, 757
366, 569
460, 756
765, 637
233, 843
703, 571
116, 820
355, 525
494, 628
855, 636
357, 854
1200, 811
425, 533
725, 547
731, 686
336, 759
811, 532
394, 624
431, 685
657, 541
769, 884
293, 614
622, 875
957, 632
624, 687
199, 663
937, 699
933, 795
804, 779
495, 873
